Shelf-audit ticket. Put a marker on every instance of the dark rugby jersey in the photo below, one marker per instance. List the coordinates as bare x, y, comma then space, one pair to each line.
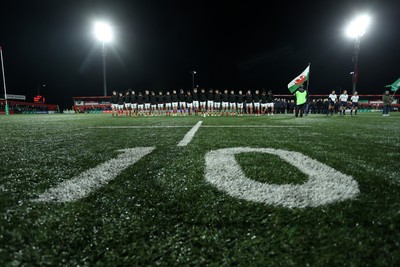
249, 98
127, 98
203, 97
181, 97
225, 97
121, 99
195, 96
263, 99
217, 97
133, 99
174, 98
114, 99
232, 98
168, 99
140, 100
153, 99
189, 99
146, 98
210, 96
160, 99
240, 99
256, 98
270, 98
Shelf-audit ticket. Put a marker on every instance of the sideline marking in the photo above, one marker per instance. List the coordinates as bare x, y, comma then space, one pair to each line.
204, 126
325, 185
189, 136
82, 185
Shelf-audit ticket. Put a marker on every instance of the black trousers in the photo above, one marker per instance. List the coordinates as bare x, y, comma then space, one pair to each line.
300, 108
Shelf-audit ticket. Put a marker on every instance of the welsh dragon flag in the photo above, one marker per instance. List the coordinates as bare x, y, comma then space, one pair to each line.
299, 80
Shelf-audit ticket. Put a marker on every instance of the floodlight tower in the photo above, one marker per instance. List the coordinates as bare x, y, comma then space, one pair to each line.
104, 34
193, 73
356, 30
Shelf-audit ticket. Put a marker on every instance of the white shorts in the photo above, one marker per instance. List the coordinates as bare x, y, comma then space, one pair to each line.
263, 105
114, 105
154, 106
133, 105
217, 104
195, 104
140, 106
182, 104
270, 105
257, 104
146, 105
210, 103
160, 105
174, 104
240, 105
232, 105
203, 104
225, 104
168, 105
189, 105
120, 107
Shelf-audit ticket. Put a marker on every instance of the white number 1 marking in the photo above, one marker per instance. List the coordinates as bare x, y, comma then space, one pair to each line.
82, 185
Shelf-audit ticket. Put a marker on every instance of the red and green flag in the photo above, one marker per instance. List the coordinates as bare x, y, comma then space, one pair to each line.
299, 80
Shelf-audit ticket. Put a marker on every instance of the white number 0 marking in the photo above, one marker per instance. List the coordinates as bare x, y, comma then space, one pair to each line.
325, 184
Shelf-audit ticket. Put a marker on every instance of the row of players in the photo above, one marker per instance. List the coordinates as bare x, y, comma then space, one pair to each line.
194, 102
343, 99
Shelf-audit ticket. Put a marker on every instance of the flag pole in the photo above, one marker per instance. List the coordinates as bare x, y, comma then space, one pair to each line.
4, 80
309, 74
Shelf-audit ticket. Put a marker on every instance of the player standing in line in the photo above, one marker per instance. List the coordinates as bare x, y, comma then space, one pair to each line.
182, 102
147, 102
232, 103
343, 102
263, 102
160, 103
270, 103
127, 103
114, 103
189, 102
210, 102
133, 104
249, 103
332, 101
203, 102
195, 97
354, 103
140, 101
225, 103
175, 102
217, 102
256, 100
153, 102
168, 104
121, 99
240, 101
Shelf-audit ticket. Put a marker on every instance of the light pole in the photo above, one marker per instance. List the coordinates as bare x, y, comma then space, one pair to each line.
104, 34
356, 30
193, 73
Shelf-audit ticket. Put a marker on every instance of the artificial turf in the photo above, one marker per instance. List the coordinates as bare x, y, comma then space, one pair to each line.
162, 211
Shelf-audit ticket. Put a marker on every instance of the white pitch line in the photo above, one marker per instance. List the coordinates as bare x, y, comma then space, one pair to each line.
189, 136
82, 185
141, 127
255, 126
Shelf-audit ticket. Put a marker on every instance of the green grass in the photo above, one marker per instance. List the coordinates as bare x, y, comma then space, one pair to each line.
162, 211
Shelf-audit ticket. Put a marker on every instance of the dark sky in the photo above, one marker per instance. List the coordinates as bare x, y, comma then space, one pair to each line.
231, 44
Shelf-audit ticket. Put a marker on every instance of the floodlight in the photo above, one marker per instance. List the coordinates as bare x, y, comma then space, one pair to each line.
103, 32
358, 26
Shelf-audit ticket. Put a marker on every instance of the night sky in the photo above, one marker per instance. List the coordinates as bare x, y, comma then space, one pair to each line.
232, 44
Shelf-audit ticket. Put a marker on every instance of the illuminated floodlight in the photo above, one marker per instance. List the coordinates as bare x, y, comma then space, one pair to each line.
358, 26
103, 32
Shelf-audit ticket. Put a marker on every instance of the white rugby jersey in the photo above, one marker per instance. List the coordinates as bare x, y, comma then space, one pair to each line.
355, 98
344, 97
333, 97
